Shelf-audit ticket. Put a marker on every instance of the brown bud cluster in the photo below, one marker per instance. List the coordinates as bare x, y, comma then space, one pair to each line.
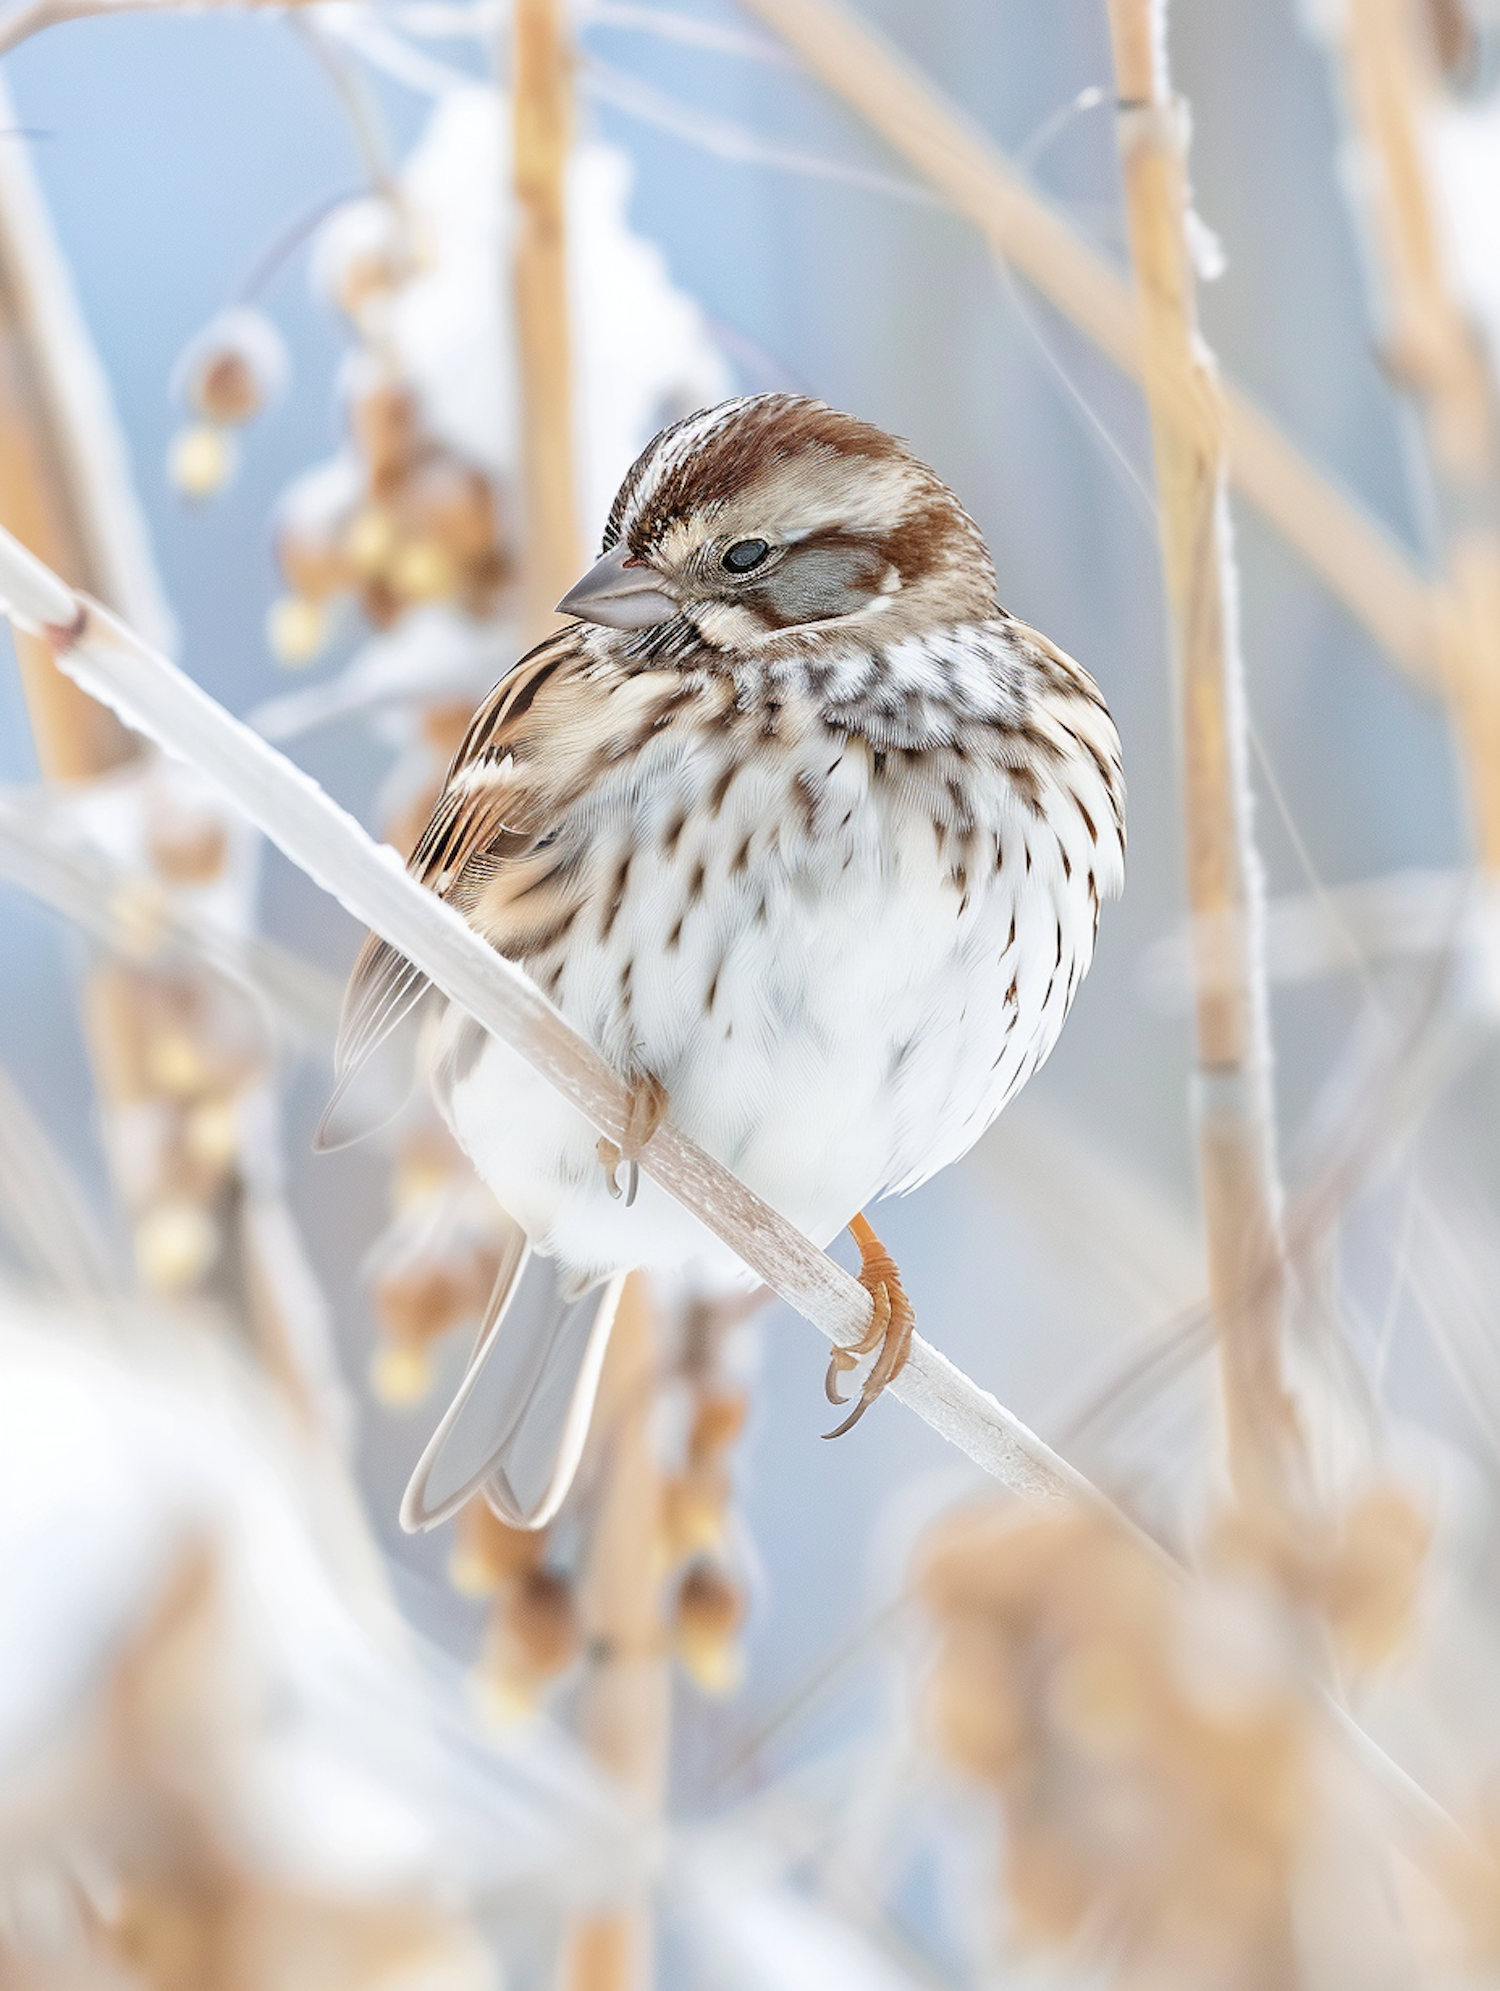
177, 1054
229, 373
531, 1634
1152, 1742
420, 525
708, 1600
435, 1266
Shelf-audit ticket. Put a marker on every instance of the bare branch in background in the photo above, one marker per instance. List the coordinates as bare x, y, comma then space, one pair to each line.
1356, 559
542, 120
1241, 1193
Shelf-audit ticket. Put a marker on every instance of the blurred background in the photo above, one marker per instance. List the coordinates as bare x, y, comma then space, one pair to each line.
253, 1732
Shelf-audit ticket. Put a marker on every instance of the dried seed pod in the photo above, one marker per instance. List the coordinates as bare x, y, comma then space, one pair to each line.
695, 1509
387, 432
532, 1637
233, 369
718, 1420
487, 1553
363, 254
709, 1611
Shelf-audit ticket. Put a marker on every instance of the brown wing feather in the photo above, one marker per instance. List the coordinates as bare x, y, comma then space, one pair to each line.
481, 822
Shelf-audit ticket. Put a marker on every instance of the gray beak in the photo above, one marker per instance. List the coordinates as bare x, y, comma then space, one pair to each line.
619, 595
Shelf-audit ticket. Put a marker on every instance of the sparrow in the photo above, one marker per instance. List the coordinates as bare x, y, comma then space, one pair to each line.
807, 835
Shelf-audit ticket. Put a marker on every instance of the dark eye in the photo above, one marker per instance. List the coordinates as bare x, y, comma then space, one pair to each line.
745, 554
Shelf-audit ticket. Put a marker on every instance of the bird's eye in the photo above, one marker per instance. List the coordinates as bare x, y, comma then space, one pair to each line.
745, 554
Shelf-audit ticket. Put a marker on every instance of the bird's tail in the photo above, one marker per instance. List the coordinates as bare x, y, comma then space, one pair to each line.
515, 1430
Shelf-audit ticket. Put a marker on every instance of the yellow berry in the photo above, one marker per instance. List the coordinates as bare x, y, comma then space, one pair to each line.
423, 571
296, 630
175, 1244
400, 1375
201, 460
175, 1065
370, 540
213, 1132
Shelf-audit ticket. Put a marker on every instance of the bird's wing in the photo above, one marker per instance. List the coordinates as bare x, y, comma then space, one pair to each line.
493, 811
516, 1428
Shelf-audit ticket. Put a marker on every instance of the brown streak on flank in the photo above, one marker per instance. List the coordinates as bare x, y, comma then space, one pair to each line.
675, 936
695, 883
1058, 962
617, 898
1088, 821
1012, 941
807, 794
673, 833
531, 944
721, 787
1067, 862
713, 987
627, 977
1013, 993
742, 856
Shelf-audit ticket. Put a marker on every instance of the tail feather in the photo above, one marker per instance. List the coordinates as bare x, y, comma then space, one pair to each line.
517, 1426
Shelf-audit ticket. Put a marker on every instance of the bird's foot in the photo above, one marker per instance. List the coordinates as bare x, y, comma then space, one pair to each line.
891, 1323
648, 1108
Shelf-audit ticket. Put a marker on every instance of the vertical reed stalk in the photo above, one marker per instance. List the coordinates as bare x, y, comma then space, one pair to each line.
541, 108
1241, 1194
1390, 79
625, 1712
64, 486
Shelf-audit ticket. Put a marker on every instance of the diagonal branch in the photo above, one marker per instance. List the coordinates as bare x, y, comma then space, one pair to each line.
153, 697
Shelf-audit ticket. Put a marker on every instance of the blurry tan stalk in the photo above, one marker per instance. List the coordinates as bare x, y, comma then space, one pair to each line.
1356, 559
1391, 80
1242, 1198
64, 485
624, 1711
542, 113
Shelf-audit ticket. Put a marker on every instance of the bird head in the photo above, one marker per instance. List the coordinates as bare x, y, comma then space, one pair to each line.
773, 514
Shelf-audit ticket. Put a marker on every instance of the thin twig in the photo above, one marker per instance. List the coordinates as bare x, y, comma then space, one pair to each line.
154, 698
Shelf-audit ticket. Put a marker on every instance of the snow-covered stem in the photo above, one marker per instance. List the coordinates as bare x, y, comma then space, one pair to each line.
541, 113
1356, 559
154, 698
1390, 85
624, 1707
1241, 1194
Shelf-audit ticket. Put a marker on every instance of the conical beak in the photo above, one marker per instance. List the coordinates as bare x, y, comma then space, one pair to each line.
620, 593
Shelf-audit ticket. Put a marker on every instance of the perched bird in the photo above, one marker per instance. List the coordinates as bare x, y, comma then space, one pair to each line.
806, 834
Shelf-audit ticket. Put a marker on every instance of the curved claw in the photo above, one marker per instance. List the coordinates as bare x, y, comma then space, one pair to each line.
892, 1322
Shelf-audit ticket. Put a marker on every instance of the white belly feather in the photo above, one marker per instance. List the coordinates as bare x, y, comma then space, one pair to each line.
836, 1007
